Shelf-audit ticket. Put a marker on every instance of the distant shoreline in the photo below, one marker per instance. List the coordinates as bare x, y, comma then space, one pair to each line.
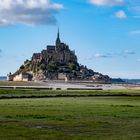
3, 78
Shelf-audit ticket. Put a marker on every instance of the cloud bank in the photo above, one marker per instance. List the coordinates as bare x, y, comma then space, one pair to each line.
106, 2
31, 12
124, 54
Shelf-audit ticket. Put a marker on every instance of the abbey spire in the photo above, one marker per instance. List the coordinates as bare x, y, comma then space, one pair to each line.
58, 41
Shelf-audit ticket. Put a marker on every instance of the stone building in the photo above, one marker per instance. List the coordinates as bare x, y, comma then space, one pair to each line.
59, 55
59, 52
22, 77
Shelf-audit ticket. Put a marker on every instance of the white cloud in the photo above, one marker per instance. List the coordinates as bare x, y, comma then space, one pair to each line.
106, 2
97, 55
129, 52
135, 32
138, 60
134, 5
32, 12
124, 54
0, 52
120, 14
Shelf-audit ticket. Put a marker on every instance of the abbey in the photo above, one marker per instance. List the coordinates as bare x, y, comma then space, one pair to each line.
56, 62
54, 59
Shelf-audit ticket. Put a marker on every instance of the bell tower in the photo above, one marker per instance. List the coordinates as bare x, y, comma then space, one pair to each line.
58, 41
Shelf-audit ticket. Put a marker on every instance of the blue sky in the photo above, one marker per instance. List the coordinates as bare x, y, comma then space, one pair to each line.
105, 34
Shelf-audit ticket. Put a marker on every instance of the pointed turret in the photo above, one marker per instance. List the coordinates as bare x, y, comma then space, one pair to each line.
58, 41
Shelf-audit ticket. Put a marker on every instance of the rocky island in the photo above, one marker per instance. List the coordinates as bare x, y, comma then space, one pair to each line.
56, 62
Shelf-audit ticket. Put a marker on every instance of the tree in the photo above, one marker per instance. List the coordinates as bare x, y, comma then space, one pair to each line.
52, 66
22, 67
43, 67
26, 62
72, 66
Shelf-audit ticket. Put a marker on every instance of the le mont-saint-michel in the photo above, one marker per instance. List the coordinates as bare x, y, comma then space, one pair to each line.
56, 62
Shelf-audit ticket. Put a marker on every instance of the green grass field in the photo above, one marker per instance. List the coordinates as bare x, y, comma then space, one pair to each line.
24, 93
69, 118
